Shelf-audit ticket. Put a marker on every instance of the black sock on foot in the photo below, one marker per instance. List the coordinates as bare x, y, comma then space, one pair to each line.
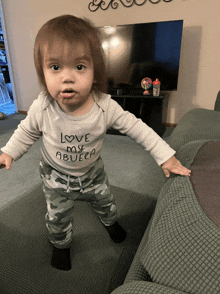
61, 259
116, 232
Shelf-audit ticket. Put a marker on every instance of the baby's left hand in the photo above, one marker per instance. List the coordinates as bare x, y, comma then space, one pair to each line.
173, 165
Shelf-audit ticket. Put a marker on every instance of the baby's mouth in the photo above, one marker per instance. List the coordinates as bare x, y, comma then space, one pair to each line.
68, 93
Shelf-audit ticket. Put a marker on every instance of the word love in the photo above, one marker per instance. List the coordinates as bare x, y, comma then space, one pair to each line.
74, 138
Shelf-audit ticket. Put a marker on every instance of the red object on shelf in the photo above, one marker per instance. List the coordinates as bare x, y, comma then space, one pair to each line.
156, 88
157, 82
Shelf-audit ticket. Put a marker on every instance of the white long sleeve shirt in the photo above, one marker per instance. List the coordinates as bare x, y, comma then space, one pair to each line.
72, 144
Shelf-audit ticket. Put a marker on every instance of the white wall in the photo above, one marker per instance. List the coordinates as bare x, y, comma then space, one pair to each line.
200, 59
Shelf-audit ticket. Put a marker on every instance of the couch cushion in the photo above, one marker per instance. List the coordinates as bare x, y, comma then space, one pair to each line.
183, 247
98, 264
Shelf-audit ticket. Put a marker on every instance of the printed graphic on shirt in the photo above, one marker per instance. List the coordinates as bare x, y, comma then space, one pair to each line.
75, 148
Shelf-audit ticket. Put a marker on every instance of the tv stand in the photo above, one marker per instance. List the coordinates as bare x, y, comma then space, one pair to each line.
147, 107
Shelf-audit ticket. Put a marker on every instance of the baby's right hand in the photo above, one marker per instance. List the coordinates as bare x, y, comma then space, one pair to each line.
5, 161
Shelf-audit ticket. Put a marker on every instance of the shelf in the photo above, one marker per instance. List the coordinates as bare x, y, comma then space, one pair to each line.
147, 107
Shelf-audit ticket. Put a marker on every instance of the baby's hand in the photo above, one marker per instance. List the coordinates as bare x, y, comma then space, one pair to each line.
5, 161
173, 165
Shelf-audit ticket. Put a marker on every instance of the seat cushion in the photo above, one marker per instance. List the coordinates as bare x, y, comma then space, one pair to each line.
182, 251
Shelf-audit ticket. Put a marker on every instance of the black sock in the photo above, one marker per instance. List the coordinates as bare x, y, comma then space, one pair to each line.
61, 259
116, 232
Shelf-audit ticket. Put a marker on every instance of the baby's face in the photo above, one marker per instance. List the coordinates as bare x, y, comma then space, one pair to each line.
69, 75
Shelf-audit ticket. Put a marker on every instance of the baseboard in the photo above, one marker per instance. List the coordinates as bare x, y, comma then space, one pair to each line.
22, 112
170, 125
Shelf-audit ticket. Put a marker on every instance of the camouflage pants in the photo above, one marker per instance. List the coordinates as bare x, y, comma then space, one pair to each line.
61, 191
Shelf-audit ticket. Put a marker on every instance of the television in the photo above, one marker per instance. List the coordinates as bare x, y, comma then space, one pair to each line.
136, 51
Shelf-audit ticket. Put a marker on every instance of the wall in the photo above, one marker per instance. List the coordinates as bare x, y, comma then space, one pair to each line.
200, 58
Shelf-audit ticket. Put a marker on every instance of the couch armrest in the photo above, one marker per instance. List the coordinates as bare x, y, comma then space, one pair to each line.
196, 124
141, 287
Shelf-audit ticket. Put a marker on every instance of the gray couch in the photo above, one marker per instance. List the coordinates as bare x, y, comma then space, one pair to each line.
99, 266
179, 252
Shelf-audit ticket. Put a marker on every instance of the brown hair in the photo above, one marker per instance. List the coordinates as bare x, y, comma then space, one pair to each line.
69, 28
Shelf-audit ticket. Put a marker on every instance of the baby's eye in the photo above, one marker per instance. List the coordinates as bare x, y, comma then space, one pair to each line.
55, 67
80, 67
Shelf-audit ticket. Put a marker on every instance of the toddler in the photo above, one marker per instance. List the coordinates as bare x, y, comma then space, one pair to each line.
72, 115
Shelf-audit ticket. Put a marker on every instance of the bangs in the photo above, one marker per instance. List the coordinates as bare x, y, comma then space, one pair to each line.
57, 48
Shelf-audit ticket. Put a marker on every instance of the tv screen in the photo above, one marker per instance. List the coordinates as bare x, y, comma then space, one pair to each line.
137, 51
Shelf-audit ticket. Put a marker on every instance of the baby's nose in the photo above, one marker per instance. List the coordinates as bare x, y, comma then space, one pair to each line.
68, 76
